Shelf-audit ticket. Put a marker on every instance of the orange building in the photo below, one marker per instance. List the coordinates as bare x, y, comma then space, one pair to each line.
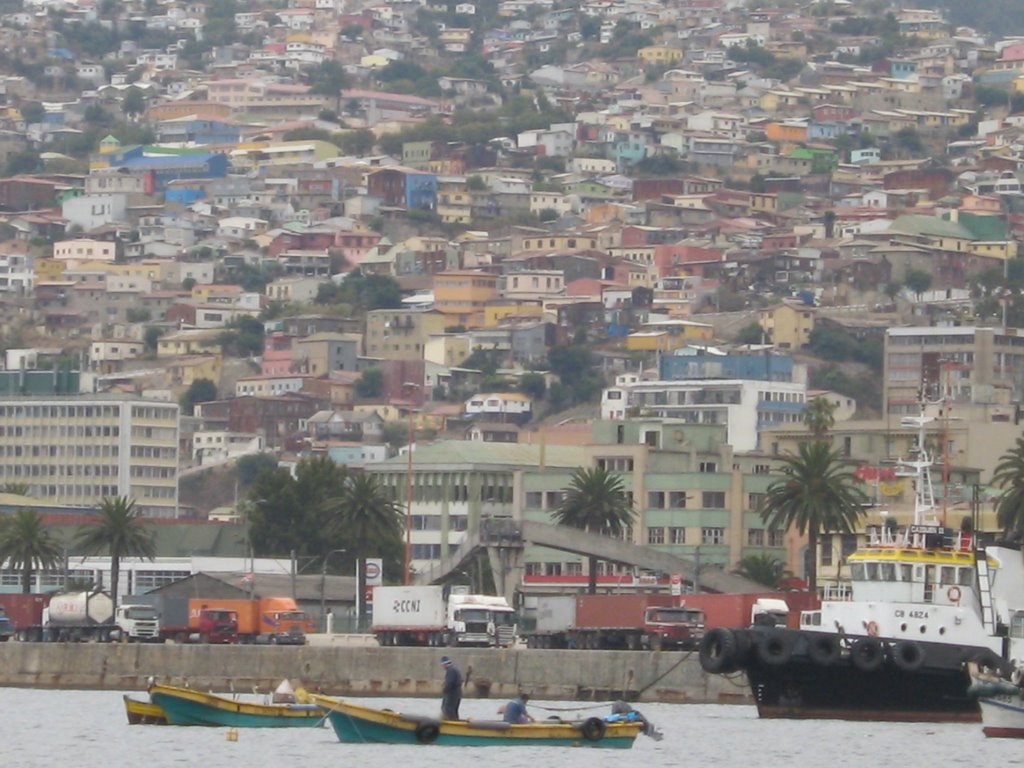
463, 294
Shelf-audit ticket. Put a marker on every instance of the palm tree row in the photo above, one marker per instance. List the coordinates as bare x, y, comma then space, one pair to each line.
27, 545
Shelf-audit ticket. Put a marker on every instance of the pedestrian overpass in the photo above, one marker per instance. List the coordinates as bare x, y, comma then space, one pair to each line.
503, 540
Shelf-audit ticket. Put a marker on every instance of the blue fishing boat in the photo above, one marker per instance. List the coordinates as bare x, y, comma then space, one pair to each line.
185, 706
354, 723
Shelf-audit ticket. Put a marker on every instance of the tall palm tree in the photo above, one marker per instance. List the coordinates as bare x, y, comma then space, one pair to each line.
817, 493
26, 545
763, 569
1009, 475
595, 501
369, 522
118, 531
819, 417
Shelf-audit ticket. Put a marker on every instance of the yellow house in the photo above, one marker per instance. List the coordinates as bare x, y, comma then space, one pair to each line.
660, 54
200, 341
496, 311
764, 202
49, 270
205, 294
186, 370
447, 349
253, 155
653, 341
454, 200
788, 326
462, 295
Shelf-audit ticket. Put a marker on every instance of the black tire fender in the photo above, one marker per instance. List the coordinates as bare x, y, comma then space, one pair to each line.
824, 649
718, 651
775, 648
427, 732
593, 729
907, 655
867, 654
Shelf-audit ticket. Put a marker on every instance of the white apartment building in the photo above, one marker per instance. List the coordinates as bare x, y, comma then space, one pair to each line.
79, 450
84, 249
745, 406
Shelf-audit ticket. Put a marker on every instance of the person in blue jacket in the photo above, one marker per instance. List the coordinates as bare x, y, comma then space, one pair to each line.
451, 691
515, 710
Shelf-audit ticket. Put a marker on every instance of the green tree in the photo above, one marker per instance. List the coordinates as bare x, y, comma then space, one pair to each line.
151, 336
199, 391
816, 494
370, 384
242, 337
1009, 475
248, 468
763, 569
360, 142
32, 111
328, 78
918, 281
133, 103
533, 384
366, 292
369, 524
819, 417
287, 512
119, 532
18, 489
750, 334
595, 501
26, 545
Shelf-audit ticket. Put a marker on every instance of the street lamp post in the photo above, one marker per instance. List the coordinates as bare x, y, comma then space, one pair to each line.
407, 566
323, 583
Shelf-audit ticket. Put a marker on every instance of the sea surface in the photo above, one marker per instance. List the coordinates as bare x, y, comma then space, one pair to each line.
88, 729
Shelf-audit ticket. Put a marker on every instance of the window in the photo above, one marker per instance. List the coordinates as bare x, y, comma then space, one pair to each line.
712, 535
755, 537
709, 466
655, 499
656, 535
534, 499
713, 499
755, 501
776, 538
676, 535
677, 499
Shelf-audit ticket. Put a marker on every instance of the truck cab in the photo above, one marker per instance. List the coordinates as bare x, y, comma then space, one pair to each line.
286, 627
485, 620
138, 622
217, 626
769, 612
673, 627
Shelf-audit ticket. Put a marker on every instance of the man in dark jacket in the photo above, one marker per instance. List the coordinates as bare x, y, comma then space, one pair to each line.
451, 692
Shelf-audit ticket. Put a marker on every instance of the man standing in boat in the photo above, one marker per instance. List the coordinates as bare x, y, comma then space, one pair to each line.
451, 692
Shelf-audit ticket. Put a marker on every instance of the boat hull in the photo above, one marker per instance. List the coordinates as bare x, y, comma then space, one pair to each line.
184, 706
356, 724
143, 712
1002, 717
796, 685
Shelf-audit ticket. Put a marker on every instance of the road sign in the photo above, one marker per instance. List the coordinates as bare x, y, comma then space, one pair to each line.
374, 571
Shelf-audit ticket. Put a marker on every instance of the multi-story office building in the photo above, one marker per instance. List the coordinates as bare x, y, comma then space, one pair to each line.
79, 450
978, 371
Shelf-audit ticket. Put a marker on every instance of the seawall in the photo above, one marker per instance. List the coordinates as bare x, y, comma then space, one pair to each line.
371, 671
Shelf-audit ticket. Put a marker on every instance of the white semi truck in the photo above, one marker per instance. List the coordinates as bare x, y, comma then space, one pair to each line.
441, 616
78, 616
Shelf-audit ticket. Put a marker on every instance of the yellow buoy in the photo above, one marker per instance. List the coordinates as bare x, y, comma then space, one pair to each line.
232, 734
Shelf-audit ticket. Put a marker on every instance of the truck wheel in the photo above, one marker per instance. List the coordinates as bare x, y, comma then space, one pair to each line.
452, 640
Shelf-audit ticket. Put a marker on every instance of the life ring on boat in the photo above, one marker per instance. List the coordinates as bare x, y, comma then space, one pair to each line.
872, 628
718, 651
593, 729
775, 648
907, 655
427, 732
824, 649
867, 654
953, 593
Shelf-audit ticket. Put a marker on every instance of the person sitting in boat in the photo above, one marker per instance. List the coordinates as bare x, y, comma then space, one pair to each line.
515, 711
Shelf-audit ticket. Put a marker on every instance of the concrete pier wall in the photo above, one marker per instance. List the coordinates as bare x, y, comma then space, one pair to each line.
371, 671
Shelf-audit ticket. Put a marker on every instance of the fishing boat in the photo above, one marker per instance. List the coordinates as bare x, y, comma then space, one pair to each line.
1002, 705
354, 723
143, 712
185, 706
924, 600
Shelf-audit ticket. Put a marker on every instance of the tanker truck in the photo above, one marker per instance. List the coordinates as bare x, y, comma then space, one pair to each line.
88, 616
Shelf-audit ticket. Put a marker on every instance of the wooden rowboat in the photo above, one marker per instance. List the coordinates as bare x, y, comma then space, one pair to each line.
143, 712
185, 706
356, 723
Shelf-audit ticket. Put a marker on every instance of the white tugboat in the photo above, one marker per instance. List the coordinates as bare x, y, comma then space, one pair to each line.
925, 600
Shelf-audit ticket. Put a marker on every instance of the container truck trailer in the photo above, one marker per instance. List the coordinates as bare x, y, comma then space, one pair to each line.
436, 616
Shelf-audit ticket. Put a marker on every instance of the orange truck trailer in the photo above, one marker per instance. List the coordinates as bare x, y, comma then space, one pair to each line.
273, 620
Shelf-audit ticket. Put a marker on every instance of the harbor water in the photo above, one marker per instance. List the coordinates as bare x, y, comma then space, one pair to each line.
88, 729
